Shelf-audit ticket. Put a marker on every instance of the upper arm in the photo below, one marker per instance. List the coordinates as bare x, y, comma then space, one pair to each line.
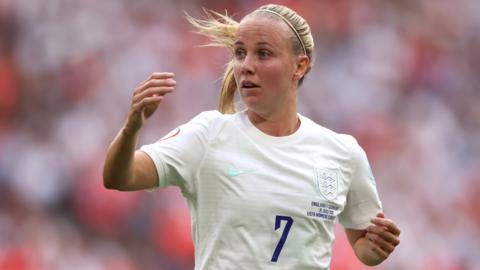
363, 202
145, 174
177, 157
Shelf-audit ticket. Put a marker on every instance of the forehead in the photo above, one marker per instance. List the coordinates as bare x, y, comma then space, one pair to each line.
261, 28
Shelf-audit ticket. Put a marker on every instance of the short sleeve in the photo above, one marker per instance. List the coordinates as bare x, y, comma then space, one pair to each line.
363, 202
178, 155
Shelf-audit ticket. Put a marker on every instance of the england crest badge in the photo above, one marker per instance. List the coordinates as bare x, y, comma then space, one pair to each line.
327, 182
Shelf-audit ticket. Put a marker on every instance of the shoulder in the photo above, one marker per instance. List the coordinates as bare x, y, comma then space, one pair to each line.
207, 119
340, 141
211, 122
207, 116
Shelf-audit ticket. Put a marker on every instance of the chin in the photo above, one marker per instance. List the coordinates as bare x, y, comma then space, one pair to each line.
251, 101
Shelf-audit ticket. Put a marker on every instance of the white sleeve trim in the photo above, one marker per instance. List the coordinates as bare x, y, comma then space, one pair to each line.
159, 166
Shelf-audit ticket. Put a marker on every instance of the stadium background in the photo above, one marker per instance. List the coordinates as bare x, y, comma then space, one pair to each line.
402, 76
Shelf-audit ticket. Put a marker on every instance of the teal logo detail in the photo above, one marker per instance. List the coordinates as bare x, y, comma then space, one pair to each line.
235, 172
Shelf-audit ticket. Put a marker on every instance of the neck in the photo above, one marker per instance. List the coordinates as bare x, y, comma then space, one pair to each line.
283, 123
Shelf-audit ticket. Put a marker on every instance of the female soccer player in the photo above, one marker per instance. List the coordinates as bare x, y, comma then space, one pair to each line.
264, 185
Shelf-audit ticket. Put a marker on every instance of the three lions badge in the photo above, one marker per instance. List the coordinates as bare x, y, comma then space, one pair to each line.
327, 182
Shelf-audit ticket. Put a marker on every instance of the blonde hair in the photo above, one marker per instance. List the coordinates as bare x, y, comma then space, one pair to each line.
221, 30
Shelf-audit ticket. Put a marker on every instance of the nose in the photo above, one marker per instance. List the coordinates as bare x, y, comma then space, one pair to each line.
248, 65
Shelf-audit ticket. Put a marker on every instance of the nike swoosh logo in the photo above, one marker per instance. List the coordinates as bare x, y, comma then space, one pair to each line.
235, 172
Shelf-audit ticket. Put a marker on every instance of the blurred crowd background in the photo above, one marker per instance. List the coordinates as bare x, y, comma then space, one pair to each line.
403, 77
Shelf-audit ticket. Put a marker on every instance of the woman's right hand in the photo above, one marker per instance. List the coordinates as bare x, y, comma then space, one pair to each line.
146, 98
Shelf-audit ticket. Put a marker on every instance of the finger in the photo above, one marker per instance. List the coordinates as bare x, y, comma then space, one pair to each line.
381, 215
159, 75
380, 252
388, 223
379, 241
162, 75
154, 83
139, 106
384, 233
155, 91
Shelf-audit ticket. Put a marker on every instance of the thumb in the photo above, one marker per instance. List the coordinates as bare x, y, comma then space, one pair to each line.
381, 215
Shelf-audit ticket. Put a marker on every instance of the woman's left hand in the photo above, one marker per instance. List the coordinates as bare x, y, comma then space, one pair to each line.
383, 236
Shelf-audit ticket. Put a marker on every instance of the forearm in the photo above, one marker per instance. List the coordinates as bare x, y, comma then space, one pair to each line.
365, 253
118, 168
124, 169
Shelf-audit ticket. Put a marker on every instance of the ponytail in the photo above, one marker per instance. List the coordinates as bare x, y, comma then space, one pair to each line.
226, 103
221, 30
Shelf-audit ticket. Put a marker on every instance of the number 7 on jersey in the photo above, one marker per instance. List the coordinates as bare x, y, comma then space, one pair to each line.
283, 238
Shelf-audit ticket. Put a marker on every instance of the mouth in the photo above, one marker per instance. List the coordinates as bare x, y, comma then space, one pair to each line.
248, 85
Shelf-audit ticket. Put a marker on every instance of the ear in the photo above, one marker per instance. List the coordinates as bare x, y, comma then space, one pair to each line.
301, 68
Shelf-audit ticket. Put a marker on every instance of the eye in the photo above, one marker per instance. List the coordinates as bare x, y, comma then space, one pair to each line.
263, 54
239, 53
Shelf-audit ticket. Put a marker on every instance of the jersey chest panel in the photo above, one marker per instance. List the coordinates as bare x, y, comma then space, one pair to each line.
245, 188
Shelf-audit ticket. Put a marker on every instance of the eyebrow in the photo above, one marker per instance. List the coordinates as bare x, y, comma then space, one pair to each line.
239, 43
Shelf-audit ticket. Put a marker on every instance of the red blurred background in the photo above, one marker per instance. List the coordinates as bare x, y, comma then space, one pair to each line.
401, 76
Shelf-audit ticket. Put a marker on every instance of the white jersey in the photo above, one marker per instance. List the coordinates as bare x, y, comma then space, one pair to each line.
263, 202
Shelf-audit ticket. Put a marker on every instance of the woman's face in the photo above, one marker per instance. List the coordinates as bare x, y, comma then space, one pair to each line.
265, 64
